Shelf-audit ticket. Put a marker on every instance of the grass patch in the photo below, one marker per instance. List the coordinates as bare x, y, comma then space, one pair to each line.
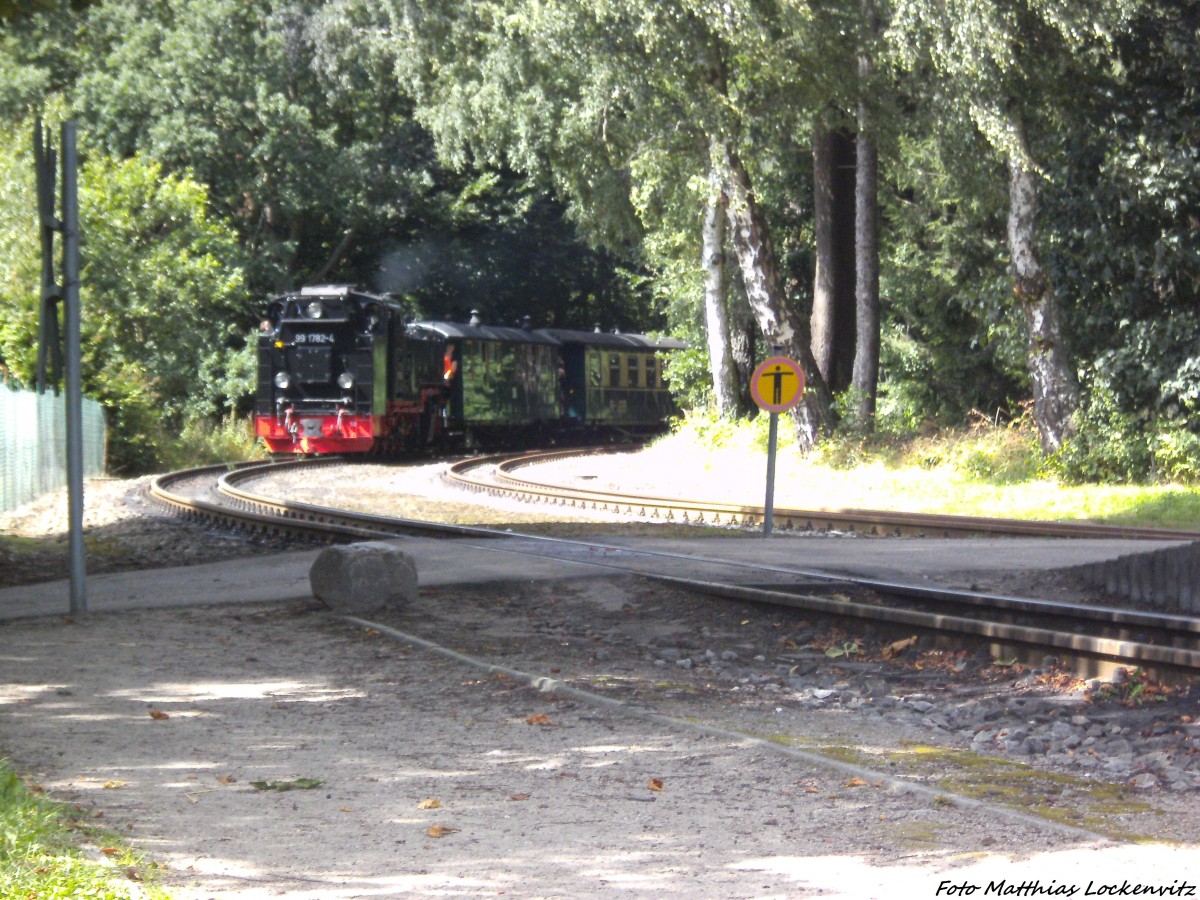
1098, 806
983, 470
41, 855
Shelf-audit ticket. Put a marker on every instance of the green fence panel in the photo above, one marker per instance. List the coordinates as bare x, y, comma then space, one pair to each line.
33, 444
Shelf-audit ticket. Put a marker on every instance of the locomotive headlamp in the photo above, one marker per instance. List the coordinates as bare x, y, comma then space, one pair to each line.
314, 310
283, 380
345, 381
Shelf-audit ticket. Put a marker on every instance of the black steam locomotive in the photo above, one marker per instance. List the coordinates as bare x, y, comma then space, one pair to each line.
341, 371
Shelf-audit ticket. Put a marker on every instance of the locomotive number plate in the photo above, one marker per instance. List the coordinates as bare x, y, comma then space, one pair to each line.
313, 337
310, 428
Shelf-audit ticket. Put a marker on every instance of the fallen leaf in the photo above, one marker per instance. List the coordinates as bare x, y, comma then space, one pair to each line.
299, 784
655, 784
519, 797
856, 782
109, 851
346, 809
539, 719
811, 790
438, 830
112, 785
897, 647
133, 874
226, 779
158, 714
429, 804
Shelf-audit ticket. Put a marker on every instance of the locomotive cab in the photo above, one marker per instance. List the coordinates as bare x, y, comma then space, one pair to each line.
322, 371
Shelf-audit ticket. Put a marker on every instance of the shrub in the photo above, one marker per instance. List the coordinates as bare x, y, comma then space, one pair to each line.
1176, 452
207, 442
1111, 445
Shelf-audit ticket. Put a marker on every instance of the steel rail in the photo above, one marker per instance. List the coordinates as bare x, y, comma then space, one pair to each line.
327, 523
163, 489
873, 522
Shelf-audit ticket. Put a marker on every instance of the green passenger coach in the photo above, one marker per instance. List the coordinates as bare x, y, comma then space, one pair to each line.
614, 379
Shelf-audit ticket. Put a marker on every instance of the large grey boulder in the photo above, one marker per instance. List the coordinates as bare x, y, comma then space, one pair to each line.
361, 578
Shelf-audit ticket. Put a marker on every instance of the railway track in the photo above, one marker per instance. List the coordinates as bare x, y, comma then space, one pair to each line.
497, 476
1093, 635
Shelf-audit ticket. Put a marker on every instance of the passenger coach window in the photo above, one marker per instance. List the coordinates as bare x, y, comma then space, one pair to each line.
614, 370
631, 366
651, 372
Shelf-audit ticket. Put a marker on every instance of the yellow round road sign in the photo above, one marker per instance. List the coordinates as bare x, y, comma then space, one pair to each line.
777, 384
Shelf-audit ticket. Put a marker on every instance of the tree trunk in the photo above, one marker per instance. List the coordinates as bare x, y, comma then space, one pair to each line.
833, 313
716, 316
866, 242
1055, 389
866, 288
822, 321
760, 274
743, 334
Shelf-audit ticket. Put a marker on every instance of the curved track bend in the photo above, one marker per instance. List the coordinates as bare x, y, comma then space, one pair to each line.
1150, 640
496, 476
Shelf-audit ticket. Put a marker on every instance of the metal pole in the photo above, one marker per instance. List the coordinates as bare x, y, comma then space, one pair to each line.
49, 364
73, 369
769, 505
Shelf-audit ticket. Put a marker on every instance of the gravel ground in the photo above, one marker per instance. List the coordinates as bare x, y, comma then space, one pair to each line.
544, 794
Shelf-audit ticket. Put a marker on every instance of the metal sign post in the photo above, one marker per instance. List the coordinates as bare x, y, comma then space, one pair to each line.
777, 385
50, 349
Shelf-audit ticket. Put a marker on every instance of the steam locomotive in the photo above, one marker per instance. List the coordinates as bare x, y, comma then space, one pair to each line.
342, 371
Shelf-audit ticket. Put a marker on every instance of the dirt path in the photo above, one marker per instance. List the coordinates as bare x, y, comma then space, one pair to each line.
438, 779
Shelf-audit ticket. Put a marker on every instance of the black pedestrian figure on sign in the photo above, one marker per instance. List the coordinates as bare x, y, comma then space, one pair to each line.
777, 376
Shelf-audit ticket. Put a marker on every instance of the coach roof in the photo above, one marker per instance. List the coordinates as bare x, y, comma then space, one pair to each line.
456, 331
614, 340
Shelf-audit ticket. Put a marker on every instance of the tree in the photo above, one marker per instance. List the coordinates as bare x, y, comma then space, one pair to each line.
1125, 211
716, 312
1055, 388
161, 294
833, 308
599, 93
865, 379
1007, 70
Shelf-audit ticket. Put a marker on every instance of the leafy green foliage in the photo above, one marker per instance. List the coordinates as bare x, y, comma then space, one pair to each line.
1112, 446
1125, 206
1117, 446
161, 290
308, 141
209, 441
456, 152
163, 295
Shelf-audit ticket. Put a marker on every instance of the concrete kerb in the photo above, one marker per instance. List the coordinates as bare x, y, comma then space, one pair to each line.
1164, 578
